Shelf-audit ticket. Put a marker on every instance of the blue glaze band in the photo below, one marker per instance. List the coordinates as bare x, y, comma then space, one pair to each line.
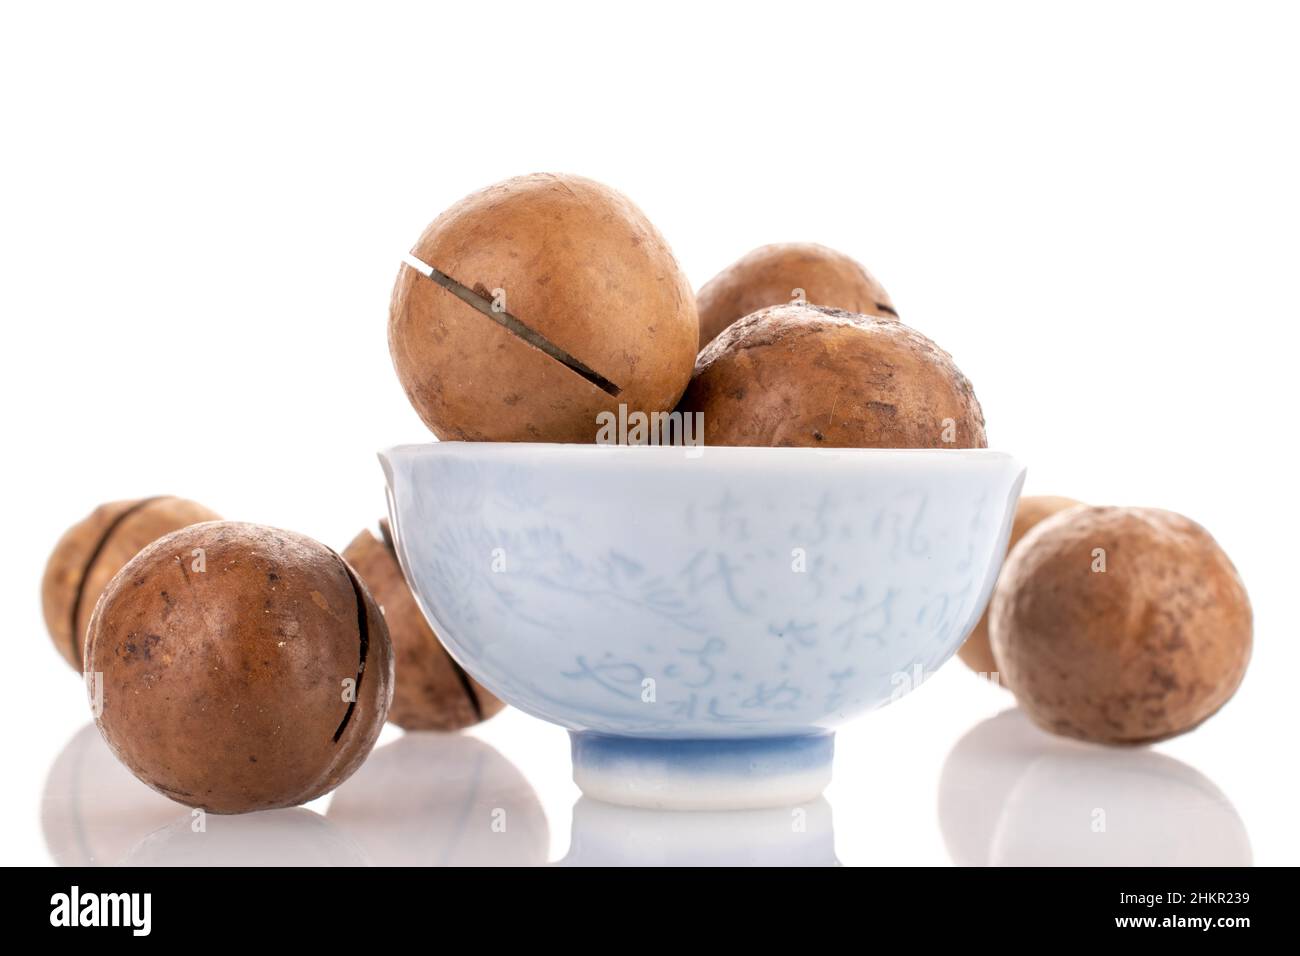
735, 757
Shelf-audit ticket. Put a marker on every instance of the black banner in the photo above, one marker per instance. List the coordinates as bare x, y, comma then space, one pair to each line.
329, 906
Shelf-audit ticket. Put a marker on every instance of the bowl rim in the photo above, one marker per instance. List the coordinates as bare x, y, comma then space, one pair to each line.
670, 452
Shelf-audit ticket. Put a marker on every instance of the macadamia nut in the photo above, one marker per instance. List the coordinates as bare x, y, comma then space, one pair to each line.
786, 272
808, 375
243, 667
93, 550
1120, 625
549, 300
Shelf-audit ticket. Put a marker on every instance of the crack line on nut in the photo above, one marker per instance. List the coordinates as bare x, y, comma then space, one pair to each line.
100, 545
363, 629
512, 325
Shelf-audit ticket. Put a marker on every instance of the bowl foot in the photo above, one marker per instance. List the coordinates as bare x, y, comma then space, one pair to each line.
737, 774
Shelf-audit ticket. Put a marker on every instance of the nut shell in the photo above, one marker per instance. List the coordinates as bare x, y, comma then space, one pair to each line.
1144, 650
977, 652
432, 692
93, 550
226, 651
769, 275
581, 266
813, 376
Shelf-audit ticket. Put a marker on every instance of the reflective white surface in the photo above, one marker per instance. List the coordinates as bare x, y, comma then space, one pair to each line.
1005, 793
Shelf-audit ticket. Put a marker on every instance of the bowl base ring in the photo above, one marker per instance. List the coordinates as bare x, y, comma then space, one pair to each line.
702, 774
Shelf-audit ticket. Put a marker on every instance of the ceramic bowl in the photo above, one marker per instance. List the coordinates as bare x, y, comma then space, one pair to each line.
700, 619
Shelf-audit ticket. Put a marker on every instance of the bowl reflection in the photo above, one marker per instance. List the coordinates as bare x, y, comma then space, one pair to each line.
608, 835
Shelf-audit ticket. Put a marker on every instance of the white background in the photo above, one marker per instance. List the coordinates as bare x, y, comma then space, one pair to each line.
1093, 207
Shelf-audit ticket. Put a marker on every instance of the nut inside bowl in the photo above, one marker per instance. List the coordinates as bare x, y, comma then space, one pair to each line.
700, 618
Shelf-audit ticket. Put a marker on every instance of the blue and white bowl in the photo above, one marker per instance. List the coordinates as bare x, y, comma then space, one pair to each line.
700, 619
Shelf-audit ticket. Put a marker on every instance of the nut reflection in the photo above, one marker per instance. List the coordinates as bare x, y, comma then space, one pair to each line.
1013, 795
292, 837
93, 809
433, 799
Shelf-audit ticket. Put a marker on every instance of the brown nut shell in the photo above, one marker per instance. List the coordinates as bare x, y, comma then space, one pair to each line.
228, 652
432, 691
770, 275
580, 267
1145, 649
812, 376
977, 652
93, 550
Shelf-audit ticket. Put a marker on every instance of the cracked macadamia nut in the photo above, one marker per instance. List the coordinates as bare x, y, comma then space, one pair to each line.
781, 273
552, 299
93, 550
432, 691
808, 375
977, 652
243, 667
1120, 625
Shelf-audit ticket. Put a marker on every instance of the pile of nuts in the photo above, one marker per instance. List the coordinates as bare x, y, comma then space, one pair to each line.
245, 667
544, 301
